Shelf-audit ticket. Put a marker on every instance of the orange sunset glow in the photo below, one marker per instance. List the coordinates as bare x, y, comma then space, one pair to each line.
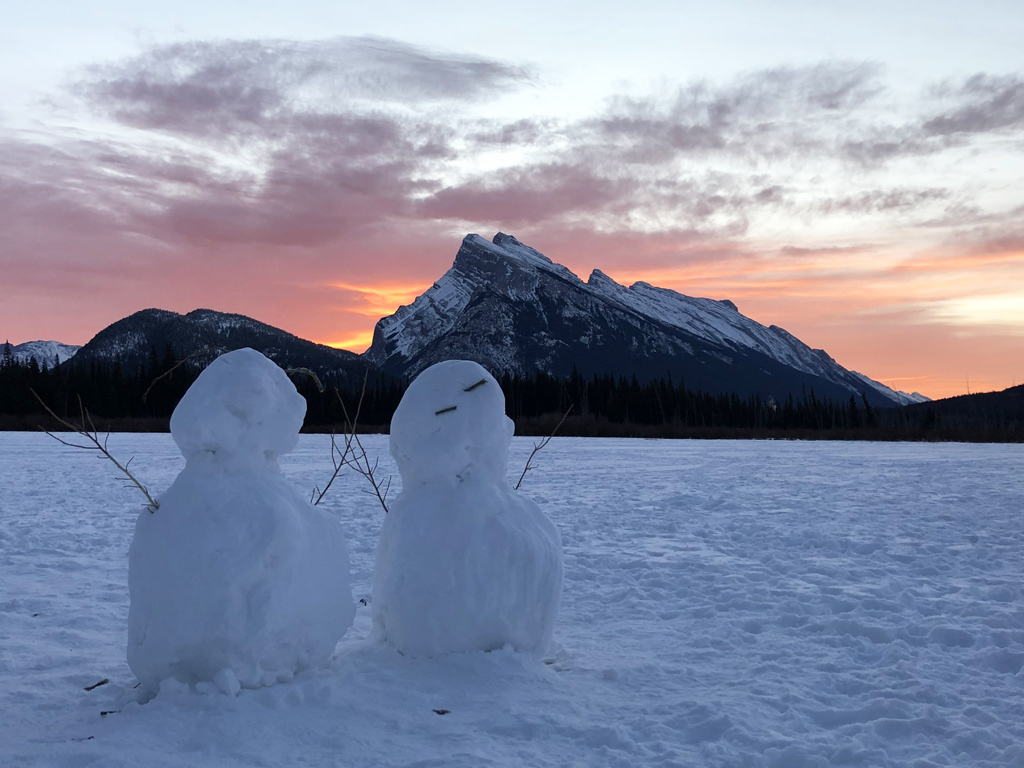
941, 328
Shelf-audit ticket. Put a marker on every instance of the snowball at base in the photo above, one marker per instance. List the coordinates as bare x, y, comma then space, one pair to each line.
464, 562
236, 579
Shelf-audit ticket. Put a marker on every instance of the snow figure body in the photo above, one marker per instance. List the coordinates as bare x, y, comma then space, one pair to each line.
236, 578
464, 562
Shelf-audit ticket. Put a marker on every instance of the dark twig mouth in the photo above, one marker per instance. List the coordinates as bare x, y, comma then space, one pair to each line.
449, 409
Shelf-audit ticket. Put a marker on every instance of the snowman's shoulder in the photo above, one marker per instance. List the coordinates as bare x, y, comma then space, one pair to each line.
518, 512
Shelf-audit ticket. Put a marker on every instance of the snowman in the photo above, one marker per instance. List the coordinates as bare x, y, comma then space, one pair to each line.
235, 579
464, 562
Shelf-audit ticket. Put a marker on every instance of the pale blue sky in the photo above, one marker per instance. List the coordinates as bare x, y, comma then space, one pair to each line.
583, 51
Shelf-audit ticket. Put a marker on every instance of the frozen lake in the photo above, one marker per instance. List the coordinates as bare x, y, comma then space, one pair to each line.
726, 603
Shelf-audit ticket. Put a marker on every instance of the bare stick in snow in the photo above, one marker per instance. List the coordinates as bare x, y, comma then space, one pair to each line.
360, 462
87, 429
340, 459
539, 446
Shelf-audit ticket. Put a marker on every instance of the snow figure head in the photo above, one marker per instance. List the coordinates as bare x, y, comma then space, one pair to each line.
451, 425
243, 408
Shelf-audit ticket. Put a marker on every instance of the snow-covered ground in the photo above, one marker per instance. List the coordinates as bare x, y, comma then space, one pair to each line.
725, 604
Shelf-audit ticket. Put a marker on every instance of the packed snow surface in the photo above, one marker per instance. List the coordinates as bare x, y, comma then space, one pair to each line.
236, 580
725, 604
465, 563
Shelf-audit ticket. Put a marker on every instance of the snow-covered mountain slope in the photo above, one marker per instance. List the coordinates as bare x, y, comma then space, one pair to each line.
903, 398
134, 339
49, 352
716, 321
511, 308
720, 322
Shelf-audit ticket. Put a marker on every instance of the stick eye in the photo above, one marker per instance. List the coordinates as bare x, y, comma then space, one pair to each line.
470, 388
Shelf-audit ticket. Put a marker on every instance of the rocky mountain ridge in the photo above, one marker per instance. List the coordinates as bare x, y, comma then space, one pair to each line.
513, 309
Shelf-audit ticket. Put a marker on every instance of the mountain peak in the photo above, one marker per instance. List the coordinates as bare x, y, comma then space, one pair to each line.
509, 249
515, 248
44, 351
599, 280
153, 313
132, 339
510, 307
503, 240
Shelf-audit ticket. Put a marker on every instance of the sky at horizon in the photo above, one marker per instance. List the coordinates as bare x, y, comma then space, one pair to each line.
852, 174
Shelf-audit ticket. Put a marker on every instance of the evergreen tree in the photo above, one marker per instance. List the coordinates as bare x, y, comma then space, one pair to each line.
852, 413
869, 414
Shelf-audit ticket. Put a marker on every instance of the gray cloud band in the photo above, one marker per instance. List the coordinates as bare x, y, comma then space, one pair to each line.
340, 135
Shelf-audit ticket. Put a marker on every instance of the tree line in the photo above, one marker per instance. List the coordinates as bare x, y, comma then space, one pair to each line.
608, 405
144, 399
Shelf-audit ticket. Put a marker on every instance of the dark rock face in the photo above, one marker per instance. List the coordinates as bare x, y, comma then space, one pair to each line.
513, 310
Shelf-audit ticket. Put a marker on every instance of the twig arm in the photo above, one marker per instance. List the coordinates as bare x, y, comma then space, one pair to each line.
360, 461
93, 437
310, 374
354, 454
539, 446
173, 368
340, 459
